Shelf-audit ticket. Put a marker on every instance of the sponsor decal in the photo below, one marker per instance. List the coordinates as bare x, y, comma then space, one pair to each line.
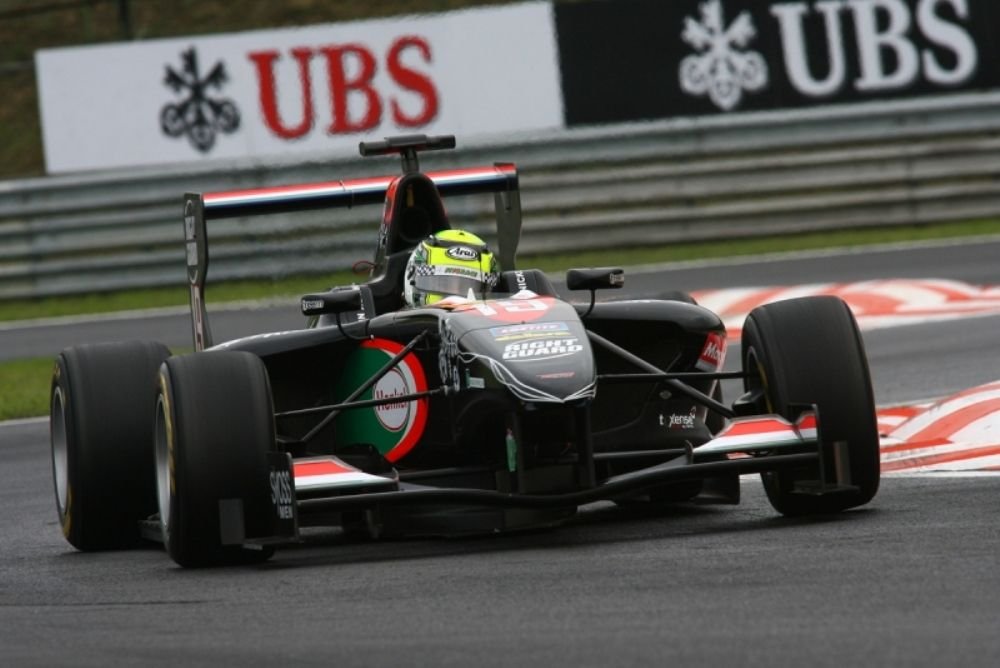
281, 494
448, 354
531, 330
311, 304
532, 335
541, 349
449, 270
189, 221
393, 428
889, 40
743, 55
298, 90
679, 421
356, 101
720, 69
520, 280
462, 253
199, 116
191, 240
392, 416
713, 354
558, 375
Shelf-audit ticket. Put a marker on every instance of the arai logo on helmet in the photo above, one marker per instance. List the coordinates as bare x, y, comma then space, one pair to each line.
462, 253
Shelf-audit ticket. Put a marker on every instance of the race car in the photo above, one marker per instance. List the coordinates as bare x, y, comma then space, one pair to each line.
482, 412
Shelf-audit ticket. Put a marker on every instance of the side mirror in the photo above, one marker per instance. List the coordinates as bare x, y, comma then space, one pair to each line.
601, 278
338, 300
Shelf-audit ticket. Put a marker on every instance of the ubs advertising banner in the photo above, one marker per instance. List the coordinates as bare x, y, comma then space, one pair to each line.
626, 60
314, 90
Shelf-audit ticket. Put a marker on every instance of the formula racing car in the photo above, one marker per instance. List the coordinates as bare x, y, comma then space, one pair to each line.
487, 411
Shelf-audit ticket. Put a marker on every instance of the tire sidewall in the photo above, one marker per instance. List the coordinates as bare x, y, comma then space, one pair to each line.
64, 457
203, 468
100, 433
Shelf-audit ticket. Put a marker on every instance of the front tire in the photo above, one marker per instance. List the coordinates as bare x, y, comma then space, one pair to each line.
214, 428
809, 351
101, 432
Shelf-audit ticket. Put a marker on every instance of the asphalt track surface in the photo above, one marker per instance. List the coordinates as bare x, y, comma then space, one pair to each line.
909, 580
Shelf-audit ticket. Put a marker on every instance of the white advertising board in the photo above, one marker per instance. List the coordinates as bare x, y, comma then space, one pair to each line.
279, 94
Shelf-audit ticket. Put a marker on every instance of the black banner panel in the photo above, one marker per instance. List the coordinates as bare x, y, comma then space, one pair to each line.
629, 60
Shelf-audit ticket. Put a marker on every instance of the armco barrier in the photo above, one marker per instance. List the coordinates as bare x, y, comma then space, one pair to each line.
673, 181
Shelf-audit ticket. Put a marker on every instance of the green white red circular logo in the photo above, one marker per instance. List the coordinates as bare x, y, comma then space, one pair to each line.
393, 428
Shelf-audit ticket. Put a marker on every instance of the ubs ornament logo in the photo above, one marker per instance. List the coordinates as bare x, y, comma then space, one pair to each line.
720, 69
198, 116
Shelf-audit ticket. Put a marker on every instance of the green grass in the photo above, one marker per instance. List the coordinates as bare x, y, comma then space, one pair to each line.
24, 384
24, 387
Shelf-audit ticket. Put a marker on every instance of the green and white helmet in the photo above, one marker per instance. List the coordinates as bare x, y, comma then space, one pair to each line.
449, 263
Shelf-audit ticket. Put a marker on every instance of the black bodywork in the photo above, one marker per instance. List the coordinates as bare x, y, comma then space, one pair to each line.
510, 412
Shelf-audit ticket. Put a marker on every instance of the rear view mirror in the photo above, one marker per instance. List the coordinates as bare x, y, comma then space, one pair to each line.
338, 300
600, 278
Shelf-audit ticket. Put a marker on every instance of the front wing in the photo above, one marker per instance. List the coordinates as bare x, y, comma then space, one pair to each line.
324, 485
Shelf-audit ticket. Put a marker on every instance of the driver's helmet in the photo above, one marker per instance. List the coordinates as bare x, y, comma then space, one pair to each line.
449, 263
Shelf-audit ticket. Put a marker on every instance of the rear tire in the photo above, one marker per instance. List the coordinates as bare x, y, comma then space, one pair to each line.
101, 432
809, 351
214, 428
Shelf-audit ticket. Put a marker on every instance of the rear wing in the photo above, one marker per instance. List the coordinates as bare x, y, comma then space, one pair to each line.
501, 179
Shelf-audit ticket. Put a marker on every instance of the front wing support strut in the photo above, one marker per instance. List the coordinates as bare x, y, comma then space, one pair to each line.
672, 383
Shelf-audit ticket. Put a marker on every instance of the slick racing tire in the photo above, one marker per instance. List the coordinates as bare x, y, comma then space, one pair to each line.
101, 430
809, 351
214, 426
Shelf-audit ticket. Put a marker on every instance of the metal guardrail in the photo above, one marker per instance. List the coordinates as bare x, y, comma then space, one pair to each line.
686, 180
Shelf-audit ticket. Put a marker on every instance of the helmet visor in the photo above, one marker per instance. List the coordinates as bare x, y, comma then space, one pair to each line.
449, 284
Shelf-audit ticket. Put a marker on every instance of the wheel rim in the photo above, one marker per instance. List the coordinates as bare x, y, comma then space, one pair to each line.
60, 450
162, 447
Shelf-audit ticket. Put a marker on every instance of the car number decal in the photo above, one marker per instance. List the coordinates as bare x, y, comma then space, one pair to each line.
511, 310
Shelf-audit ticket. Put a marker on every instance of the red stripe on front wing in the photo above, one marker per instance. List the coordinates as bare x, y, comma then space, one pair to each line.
326, 467
766, 426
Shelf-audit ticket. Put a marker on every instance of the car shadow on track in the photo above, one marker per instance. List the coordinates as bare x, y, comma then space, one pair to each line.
598, 525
